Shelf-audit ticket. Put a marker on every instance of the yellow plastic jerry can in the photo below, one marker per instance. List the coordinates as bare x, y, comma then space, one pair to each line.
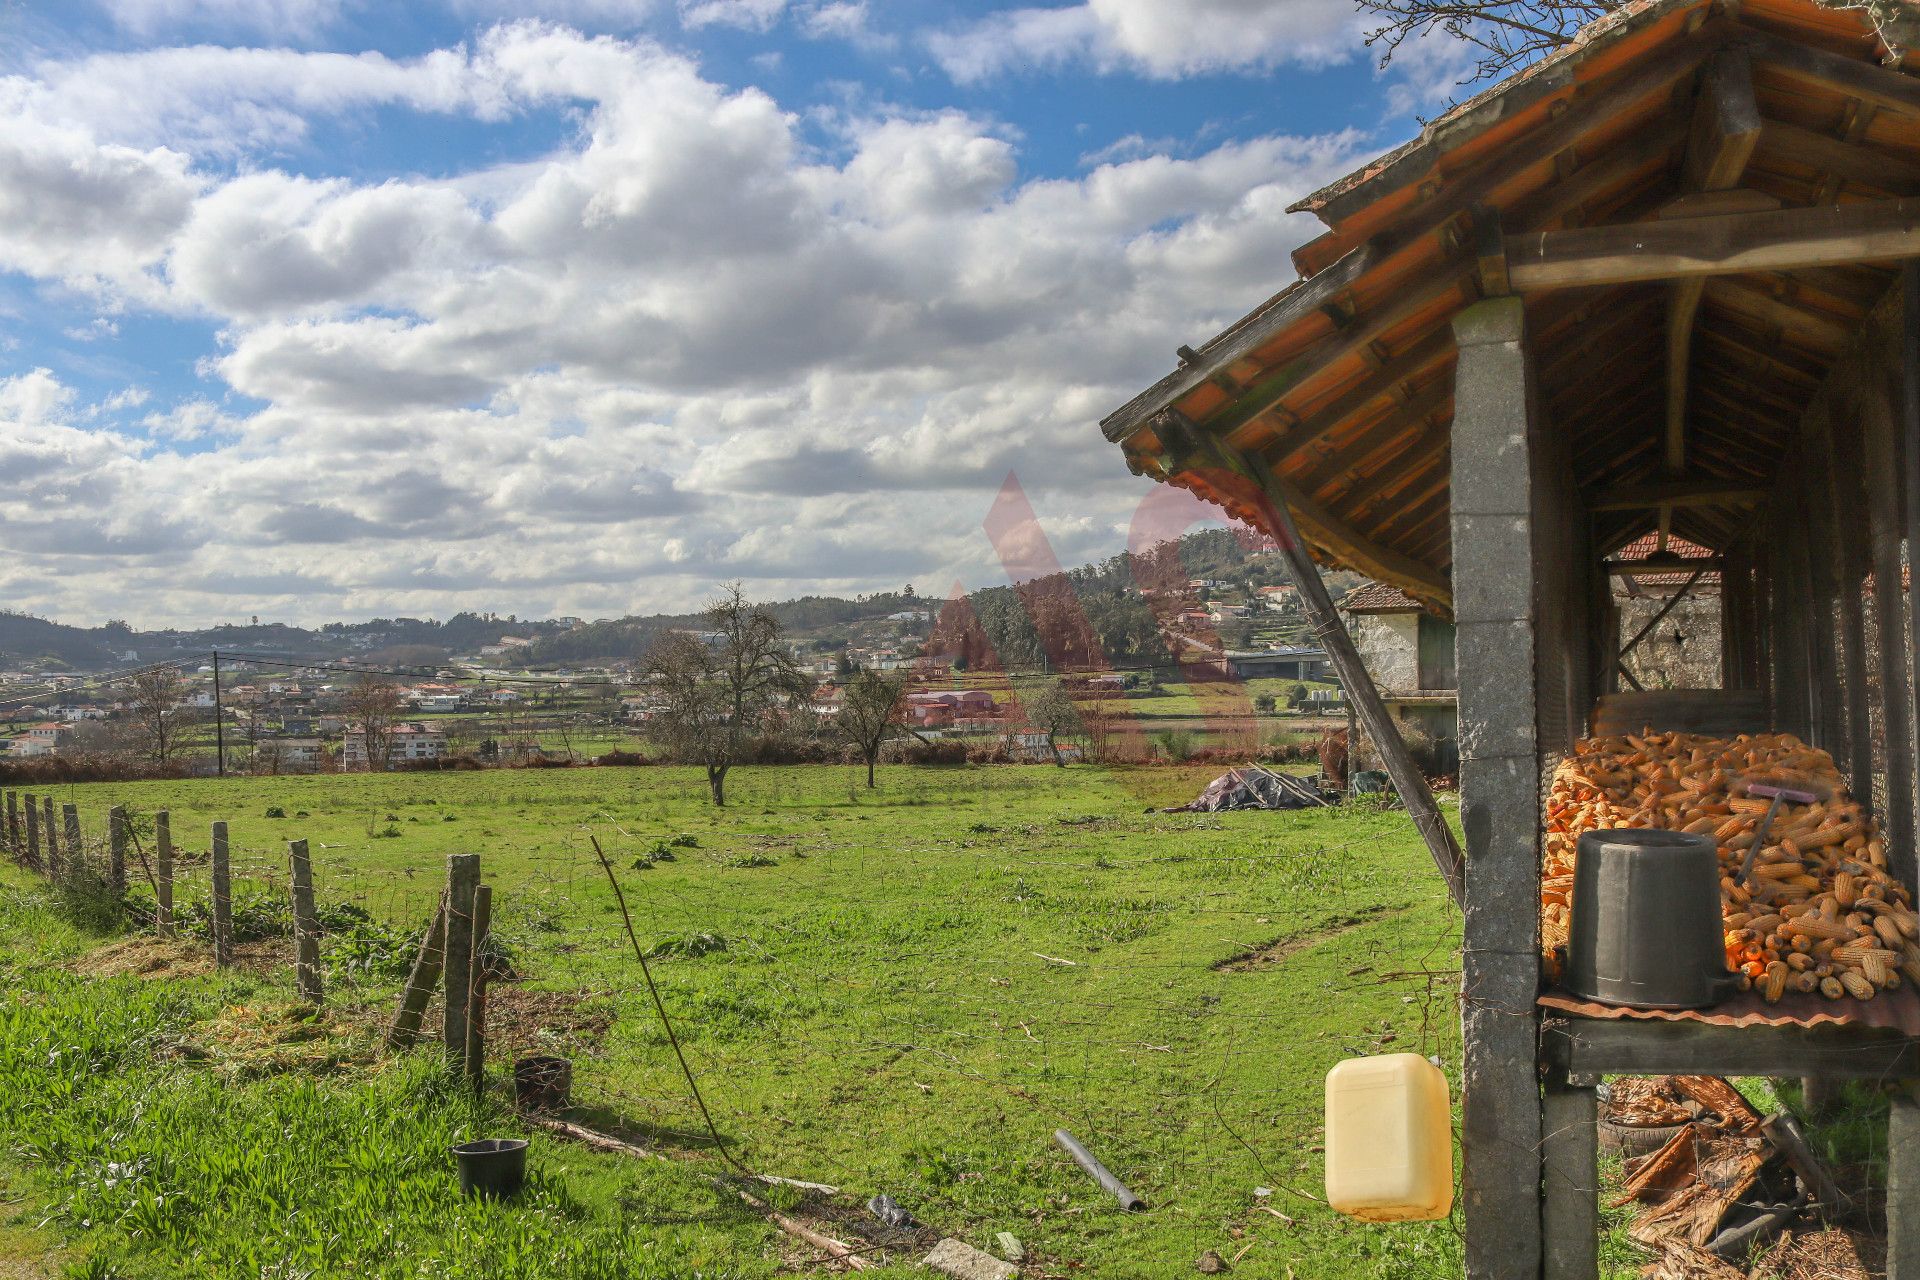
1389, 1139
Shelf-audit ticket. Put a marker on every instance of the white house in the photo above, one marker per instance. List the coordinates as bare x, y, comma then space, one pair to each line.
412, 741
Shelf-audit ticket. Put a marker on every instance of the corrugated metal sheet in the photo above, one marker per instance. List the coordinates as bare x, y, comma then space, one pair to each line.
1890, 1010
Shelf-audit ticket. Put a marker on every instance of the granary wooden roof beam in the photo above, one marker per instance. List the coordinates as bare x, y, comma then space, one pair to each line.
1726, 130
1730, 244
1673, 493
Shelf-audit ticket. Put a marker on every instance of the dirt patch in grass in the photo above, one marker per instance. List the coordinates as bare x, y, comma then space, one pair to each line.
147, 956
1271, 953
270, 1037
521, 1021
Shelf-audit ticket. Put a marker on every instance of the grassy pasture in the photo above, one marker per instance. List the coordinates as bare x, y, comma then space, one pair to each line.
904, 990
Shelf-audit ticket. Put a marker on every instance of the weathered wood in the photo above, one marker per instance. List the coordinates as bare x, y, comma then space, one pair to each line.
1726, 129
75, 852
15, 845
421, 980
1278, 515
1853, 78
1818, 151
1784, 1132
1494, 432
1907, 371
477, 1006
117, 850
1301, 301
222, 898
50, 865
1890, 621
1647, 494
1378, 384
1903, 1184
306, 924
1570, 1180
1781, 240
463, 880
163, 872
1626, 1046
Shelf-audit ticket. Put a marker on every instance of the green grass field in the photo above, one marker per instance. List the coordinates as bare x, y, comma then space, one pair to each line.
904, 990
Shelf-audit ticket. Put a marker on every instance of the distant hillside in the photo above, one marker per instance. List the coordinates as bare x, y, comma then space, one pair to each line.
29, 641
1095, 609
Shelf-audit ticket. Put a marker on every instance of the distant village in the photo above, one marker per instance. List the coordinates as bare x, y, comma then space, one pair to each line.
268, 714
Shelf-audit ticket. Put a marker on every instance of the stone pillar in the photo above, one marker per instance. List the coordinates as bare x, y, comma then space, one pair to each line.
1493, 593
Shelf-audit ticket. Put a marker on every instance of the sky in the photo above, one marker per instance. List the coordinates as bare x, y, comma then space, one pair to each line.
338, 309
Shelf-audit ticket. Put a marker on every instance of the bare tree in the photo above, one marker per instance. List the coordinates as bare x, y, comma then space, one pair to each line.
873, 710
1508, 34
716, 695
375, 705
1049, 710
160, 722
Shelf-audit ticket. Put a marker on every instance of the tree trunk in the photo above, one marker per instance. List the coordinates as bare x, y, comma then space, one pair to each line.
717, 783
870, 760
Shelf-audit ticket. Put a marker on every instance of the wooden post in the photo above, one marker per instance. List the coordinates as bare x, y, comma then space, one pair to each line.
463, 879
163, 871
427, 965
14, 844
1494, 430
117, 850
306, 925
76, 851
1903, 1184
1570, 1148
222, 899
50, 837
477, 1007
1889, 609
33, 839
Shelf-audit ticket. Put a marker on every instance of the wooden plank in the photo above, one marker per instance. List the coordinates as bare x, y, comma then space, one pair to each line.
1303, 301
1882, 480
306, 924
222, 898
1853, 78
1796, 324
50, 866
1626, 1046
1737, 243
463, 880
1570, 1180
1866, 166
421, 980
1726, 124
1278, 517
1621, 163
1423, 357
1674, 493
163, 872
1348, 462
1404, 469
1907, 371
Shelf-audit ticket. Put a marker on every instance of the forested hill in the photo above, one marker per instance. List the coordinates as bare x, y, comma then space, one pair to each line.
1094, 607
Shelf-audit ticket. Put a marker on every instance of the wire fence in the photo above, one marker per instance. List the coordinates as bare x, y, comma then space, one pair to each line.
904, 993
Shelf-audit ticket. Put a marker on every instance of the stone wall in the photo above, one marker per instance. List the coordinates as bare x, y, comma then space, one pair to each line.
1661, 663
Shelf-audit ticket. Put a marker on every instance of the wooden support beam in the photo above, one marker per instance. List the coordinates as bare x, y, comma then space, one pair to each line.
1627, 1046
1726, 124
1882, 88
1823, 153
1276, 506
1730, 244
1423, 357
1674, 493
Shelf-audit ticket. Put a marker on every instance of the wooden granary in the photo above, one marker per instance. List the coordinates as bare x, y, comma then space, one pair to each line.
1661, 282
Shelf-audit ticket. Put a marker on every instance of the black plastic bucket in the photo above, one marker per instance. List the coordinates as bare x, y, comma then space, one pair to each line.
493, 1167
1646, 921
542, 1082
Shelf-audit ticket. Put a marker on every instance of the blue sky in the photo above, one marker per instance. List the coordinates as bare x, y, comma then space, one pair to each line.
328, 308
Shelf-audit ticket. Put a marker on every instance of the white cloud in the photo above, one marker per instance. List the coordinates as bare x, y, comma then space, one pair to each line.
684, 346
1152, 37
847, 20
258, 17
748, 15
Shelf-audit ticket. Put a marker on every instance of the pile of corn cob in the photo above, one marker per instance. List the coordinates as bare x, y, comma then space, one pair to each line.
1823, 914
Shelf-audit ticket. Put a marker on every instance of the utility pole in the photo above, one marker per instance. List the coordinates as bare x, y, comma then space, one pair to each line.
219, 720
